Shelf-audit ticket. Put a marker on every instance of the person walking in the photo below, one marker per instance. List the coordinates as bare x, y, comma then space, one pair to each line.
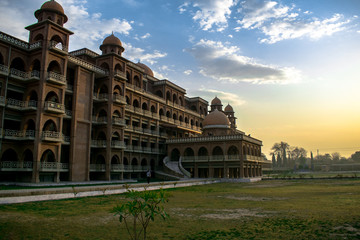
148, 176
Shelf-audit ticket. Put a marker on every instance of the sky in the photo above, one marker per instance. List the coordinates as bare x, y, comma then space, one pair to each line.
289, 68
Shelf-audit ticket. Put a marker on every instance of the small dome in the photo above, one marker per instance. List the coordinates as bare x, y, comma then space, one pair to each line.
112, 40
52, 6
216, 101
229, 109
216, 119
148, 71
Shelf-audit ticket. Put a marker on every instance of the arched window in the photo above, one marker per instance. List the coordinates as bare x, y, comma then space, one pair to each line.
153, 109
233, 152
105, 66
180, 101
144, 162
35, 66
137, 81
189, 152
50, 126
28, 156
136, 103
134, 162
144, 106
125, 161
118, 68
175, 98
118, 90
128, 77
52, 97
9, 155
115, 136
168, 114
101, 136
54, 66
115, 160
39, 37
174, 116
161, 112
217, 151
168, 96
48, 156
159, 93
203, 152
180, 118
175, 155
29, 125
18, 64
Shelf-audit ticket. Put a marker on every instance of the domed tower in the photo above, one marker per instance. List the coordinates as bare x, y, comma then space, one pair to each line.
52, 11
216, 123
229, 112
112, 44
216, 104
147, 70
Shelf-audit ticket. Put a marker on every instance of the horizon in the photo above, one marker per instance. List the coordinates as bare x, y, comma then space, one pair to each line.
288, 68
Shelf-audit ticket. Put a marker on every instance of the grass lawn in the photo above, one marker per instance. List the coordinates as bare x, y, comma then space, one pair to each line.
277, 209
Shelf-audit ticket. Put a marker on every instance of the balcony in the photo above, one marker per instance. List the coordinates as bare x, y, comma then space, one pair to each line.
97, 167
68, 113
118, 144
4, 70
253, 158
19, 134
98, 143
16, 166
101, 97
25, 76
21, 105
99, 120
2, 101
54, 107
56, 78
58, 47
117, 167
129, 108
118, 121
51, 136
66, 140
54, 167
119, 75
119, 99
35, 45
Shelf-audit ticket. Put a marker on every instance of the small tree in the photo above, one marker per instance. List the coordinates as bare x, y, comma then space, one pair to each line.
140, 208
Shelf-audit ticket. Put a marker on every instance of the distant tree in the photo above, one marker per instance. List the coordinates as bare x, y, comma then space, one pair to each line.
312, 161
281, 149
356, 156
273, 160
335, 156
278, 160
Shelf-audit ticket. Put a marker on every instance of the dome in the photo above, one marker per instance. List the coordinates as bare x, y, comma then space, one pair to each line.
148, 71
112, 40
216, 101
52, 6
216, 119
229, 108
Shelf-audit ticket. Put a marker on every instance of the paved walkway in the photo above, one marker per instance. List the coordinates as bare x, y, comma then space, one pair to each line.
64, 192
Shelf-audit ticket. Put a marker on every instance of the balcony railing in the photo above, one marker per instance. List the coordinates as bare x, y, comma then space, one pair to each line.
51, 136
35, 45
99, 120
119, 99
97, 167
66, 139
68, 113
56, 78
54, 107
4, 70
101, 96
213, 158
117, 144
16, 166
19, 135
21, 105
119, 74
253, 158
98, 143
24, 76
117, 167
53, 166
118, 121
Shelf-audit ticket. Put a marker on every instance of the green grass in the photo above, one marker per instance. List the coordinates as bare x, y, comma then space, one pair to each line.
297, 209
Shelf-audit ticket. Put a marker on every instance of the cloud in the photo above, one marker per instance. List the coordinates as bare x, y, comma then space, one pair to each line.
316, 29
211, 13
138, 54
223, 62
225, 97
89, 28
187, 72
255, 13
147, 35
280, 22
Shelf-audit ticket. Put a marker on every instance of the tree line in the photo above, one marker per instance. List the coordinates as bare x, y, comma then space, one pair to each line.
293, 157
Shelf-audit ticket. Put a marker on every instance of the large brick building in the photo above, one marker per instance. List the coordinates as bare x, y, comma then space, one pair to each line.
82, 116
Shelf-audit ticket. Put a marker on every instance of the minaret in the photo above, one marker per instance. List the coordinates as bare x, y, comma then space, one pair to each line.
216, 104
229, 112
